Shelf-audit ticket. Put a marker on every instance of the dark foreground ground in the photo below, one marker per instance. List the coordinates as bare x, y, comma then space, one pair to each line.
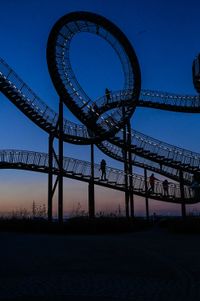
148, 265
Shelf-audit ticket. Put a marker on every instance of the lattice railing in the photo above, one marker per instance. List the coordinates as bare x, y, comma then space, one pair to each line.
27, 97
116, 152
171, 99
83, 168
175, 154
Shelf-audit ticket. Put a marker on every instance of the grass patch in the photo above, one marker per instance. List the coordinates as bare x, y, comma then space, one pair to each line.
76, 225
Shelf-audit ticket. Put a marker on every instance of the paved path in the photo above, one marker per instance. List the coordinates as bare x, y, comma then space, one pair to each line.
152, 265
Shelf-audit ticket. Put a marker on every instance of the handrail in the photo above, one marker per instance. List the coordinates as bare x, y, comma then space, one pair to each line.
80, 169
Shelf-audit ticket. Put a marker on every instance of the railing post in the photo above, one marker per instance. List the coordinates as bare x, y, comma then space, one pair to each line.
50, 178
91, 201
183, 206
146, 194
60, 176
130, 168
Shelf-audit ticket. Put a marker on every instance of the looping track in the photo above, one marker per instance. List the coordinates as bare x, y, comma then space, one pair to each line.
147, 152
101, 124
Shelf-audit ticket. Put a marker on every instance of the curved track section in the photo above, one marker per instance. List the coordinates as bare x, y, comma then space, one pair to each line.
170, 101
161, 153
161, 100
23, 97
116, 153
80, 170
101, 124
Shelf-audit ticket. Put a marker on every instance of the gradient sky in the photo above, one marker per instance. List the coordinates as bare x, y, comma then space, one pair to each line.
166, 38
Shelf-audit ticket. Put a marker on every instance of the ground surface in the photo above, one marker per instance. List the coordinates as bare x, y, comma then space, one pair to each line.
151, 265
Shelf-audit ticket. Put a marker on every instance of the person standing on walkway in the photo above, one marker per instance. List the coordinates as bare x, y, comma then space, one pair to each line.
152, 183
107, 94
103, 170
195, 189
165, 188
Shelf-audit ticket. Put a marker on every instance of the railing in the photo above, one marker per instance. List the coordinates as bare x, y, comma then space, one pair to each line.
26, 95
116, 152
159, 148
83, 168
171, 99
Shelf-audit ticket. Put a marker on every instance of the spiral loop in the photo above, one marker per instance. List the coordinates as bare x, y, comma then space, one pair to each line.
94, 114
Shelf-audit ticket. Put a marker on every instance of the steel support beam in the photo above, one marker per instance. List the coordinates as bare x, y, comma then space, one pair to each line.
59, 161
130, 169
50, 178
91, 195
146, 194
126, 172
183, 206
60, 176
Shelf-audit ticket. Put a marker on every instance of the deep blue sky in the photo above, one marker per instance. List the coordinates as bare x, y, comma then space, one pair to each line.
166, 38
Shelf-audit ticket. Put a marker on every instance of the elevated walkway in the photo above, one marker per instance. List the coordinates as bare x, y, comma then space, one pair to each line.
80, 170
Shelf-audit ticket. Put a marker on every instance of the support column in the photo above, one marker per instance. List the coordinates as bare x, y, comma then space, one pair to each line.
183, 206
126, 173
60, 176
50, 178
146, 194
91, 201
130, 169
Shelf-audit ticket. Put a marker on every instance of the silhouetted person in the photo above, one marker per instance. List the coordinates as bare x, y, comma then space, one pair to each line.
195, 189
165, 187
152, 183
103, 170
107, 94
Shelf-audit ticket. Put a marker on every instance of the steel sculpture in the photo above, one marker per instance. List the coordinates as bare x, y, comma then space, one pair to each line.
110, 132
92, 114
